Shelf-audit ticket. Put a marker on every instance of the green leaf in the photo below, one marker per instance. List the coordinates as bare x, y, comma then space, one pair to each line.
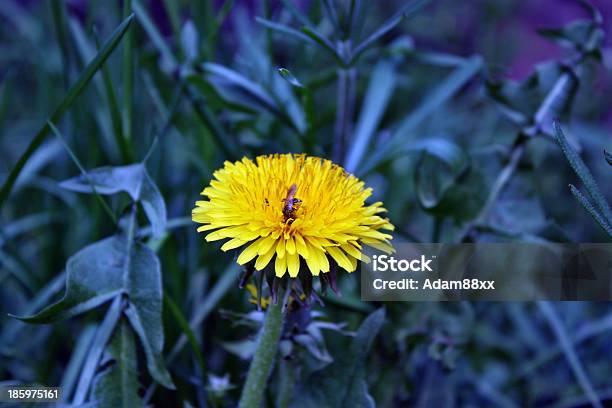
567, 346
105, 269
80, 353
376, 100
117, 385
591, 210
342, 383
168, 59
115, 113
74, 91
594, 194
463, 199
281, 28
307, 104
184, 325
128, 80
324, 43
132, 179
442, 163
76, 160
228, 80
94, 354
405, 133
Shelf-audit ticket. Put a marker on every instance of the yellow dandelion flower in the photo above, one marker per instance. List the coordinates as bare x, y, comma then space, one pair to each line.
292, 212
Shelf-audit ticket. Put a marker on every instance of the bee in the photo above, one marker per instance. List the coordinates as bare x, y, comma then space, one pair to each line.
292, 204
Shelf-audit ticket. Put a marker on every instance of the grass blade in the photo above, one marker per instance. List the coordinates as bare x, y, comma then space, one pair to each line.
79, 354
305, 34
281, 28
231, 150
184, 325
325, 43
128, 78
58, 11
387, 26
158, 41
83, 171
301, 17
570, 353
377, 97
115, 114
229, 278
75, 90
97, 348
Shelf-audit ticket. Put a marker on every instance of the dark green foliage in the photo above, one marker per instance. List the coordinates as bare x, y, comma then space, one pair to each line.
153, 103
342, 383
74, 91
107, 269
117, 385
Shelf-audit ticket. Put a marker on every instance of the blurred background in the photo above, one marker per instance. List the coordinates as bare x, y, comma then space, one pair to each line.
436, 105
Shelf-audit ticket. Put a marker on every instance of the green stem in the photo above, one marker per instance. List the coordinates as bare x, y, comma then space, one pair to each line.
263, 359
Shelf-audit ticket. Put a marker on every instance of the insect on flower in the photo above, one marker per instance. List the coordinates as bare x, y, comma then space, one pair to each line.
291, 204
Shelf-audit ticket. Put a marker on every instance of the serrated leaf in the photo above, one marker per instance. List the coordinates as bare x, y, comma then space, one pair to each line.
117, 385
342, 383
132, 179
105, 269
586, 204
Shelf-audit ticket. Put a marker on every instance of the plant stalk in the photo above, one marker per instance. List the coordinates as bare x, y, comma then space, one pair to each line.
347, 78
519, 147
263, 359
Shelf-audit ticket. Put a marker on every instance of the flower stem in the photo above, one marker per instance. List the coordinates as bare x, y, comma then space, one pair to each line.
263, 359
